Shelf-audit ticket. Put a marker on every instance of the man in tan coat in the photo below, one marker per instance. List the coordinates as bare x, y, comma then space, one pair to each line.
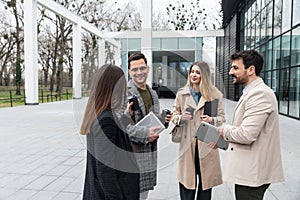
253, 155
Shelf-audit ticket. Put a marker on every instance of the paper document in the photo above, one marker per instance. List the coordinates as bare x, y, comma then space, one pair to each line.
150, 120
208, 133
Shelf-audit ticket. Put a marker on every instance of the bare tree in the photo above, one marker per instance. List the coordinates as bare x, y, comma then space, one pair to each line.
7, 43
18, 14
192, 16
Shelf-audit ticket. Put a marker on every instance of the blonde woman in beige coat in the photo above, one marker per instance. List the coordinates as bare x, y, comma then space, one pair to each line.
197, 159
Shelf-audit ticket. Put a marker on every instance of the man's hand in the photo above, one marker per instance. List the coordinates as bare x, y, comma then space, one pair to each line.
168, 118
152, 135
220, 130
212, 145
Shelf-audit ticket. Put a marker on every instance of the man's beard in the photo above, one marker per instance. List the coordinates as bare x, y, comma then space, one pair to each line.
240, 80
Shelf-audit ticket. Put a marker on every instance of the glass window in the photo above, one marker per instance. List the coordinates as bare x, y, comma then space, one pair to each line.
269, 56
169, 43
285, 49
294, 94
156, 44
199, 41
257, 29
134, 44
277, 17
295, 56
253, 10
275, 82
186, 43
262, 50
284, 91
286, 15
263, 3
124, 58
263, 26
252, 32
296, 12
268, 78
247, 37
276, 53
258, 5
124, 44
269, 20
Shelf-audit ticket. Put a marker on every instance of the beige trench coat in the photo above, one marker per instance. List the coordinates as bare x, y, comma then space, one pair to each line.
254, 156
209, 158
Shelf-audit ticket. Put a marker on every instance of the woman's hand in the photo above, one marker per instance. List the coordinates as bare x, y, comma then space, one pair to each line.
205, 118
186, 115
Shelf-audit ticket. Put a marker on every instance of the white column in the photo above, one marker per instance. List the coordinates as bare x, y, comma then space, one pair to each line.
77, 61
146, 39
101, 52
118, 57
31, 52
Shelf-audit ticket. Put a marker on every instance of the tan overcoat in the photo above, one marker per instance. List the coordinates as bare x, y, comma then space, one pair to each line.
254, 156
209, 158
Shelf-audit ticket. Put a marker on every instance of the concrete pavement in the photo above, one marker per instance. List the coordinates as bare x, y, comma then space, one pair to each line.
42, 155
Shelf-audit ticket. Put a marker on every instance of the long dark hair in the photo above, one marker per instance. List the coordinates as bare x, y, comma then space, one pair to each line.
108, 91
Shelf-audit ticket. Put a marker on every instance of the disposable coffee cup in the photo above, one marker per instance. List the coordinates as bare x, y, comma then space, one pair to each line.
190, 110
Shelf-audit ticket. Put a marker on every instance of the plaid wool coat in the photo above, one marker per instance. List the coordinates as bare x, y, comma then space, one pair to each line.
146, 152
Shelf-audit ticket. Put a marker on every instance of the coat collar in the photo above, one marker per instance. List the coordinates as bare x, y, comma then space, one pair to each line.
189, 100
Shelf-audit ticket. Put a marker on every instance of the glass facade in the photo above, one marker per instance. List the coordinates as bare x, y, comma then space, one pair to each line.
273, 28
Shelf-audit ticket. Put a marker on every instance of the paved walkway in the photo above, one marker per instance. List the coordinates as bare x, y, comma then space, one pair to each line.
42, 156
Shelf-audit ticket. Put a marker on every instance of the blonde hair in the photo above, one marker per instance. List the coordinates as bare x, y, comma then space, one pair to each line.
207, 89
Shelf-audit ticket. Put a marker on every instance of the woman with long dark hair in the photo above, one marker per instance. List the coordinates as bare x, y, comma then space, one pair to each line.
111, 168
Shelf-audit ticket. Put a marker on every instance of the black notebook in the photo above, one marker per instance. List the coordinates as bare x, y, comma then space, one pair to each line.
211, 108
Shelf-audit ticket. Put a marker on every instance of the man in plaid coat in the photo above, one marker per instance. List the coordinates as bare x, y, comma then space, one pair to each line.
144, 140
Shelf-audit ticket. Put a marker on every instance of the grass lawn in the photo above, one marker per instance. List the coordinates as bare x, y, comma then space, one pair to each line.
44, 96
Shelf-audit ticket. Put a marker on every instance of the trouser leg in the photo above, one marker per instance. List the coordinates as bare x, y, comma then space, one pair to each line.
250, 193
201, 194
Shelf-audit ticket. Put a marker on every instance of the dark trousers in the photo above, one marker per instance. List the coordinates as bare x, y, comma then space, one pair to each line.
250, 193
187, 194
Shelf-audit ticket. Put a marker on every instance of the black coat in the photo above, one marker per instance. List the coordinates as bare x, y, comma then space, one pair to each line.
111, 168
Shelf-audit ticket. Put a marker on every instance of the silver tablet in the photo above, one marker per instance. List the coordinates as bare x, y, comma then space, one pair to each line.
208, 133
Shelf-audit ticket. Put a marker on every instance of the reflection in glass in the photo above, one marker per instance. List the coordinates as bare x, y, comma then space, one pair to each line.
286, 15
263, 26
275, 83
277, 17
284, 91
269, 20
269, 56
285, 49
268, 79
294, 93
276, 53
296, 12
295, 57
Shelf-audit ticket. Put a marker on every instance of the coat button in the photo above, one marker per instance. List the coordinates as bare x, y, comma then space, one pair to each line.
231, 148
